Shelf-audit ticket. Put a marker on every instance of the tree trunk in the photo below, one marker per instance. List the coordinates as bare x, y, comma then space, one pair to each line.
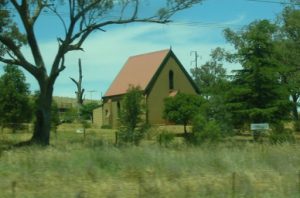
295, 107
185, 131
42, 128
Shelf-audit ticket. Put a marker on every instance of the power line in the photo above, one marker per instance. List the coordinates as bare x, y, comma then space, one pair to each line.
197, 24
194, 24
274, 2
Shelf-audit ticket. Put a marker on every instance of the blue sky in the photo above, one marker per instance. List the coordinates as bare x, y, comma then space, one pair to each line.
197, 29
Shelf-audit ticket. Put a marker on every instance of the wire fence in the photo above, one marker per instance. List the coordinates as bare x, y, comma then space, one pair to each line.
234, 185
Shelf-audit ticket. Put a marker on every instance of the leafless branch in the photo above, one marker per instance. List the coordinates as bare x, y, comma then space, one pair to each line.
74, 80
59, 17
82, 35
135, 12
37, 11
8, 61
21, 61
24, 12
62, 65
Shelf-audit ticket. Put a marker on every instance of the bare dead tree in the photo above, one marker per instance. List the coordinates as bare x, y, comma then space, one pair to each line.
80, 91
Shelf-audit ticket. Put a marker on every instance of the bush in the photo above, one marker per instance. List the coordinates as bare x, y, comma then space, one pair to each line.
279, 134
182, 108
297, 125
132, 124
106, 127
198, 124
165, 138
211, 133
86, 110
69, 116
127, 135
205, 131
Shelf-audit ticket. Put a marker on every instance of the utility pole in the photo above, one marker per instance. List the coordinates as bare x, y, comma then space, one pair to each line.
91, 92
196, 56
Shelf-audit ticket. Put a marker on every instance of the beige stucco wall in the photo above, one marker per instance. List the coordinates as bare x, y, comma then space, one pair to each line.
110, 112
160, 90
155, 99
111, 106
97, 117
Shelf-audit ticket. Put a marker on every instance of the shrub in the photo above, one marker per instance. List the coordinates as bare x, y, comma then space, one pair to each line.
134, 136
132, 125
205, 131
165, 138
86, 110
182, 108
279, 134
211, 133
69, 116
106, 127
297, 125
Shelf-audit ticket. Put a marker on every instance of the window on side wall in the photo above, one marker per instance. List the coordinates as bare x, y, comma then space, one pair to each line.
171, 80
106, 113
119, 108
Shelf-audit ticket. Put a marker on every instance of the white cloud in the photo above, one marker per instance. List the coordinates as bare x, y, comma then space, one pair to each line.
105, 53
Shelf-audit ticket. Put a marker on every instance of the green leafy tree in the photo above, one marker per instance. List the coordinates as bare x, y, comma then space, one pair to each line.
210, 75
15, 106
288, 54
133, 125
182, 108
83, 18
280, 134
213, 82
70, 115
205, 130
86, 110
257, 94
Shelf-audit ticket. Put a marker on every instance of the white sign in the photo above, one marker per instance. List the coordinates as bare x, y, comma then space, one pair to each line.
259, 126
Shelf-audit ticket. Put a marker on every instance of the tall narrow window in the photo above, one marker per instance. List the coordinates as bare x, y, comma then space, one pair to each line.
119, 108
171, 79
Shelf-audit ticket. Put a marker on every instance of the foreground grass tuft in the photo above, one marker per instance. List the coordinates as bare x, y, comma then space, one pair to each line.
94, 167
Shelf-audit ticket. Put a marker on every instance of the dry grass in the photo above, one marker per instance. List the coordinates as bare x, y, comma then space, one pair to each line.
93, 167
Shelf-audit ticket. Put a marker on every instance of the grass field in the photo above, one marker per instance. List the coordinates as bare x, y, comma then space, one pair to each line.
93, 167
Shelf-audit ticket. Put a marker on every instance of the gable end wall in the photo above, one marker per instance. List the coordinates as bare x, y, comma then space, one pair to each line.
160, 90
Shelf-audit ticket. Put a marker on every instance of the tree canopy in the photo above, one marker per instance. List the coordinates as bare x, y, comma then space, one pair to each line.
86, 110
182, 108
209, 76
132, 116
257, 95
15, 106
288, 54
213, 83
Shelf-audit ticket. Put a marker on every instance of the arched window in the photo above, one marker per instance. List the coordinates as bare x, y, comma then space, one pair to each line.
107, 113
171, 79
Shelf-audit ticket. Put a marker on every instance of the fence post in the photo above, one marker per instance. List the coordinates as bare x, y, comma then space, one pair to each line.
160, 139
140, 186
116, 138
233, 178
84, 134
13, 188
299, 183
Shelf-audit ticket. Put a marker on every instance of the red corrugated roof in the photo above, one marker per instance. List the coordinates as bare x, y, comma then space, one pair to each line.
137, 71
